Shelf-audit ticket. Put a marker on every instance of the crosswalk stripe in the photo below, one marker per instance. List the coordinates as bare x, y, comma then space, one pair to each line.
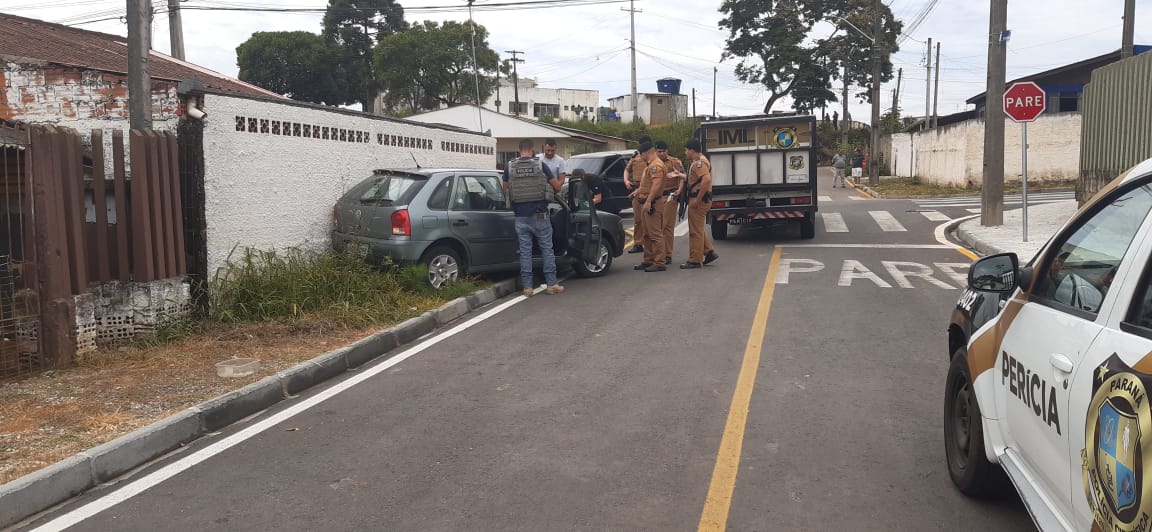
886, 221
974, 211
833, 222
825, 198
936, 216
856, 198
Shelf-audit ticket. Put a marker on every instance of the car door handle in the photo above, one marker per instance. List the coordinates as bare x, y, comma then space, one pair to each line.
1061, 362
460, 222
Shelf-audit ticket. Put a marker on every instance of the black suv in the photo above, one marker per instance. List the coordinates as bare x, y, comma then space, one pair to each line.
609, 167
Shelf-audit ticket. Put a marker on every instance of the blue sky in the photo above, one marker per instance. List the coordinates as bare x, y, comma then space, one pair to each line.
586, 47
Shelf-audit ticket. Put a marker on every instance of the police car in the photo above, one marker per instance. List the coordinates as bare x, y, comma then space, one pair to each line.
1051, 364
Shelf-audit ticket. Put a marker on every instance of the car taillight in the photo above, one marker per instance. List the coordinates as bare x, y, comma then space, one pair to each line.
720, 204
401, 223
801, 200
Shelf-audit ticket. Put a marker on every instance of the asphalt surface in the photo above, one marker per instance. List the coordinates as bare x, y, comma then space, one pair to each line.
605, 408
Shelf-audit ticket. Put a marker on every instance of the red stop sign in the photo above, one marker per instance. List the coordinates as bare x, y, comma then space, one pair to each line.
1024, 101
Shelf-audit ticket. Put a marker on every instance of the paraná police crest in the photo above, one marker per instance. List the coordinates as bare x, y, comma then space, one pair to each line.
785, 137
1117, 438
796, 162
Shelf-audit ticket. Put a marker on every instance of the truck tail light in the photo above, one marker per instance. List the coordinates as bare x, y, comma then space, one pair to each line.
805, 200
401, 223
720, 204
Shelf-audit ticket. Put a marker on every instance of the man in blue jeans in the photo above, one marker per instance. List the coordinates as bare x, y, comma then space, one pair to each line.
527, 182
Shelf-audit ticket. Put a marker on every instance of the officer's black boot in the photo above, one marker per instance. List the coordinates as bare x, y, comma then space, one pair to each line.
710, 257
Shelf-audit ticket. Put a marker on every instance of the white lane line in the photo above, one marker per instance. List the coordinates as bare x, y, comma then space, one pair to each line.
682, 229
974, 203
833, 222
936, 216
886, 221
976, 210
137, 487
856, 198
825, 198
870, 246
943, 239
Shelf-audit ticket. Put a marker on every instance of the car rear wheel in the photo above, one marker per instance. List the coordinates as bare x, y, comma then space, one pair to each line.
719, 230
968, 464
599, 265
444, 266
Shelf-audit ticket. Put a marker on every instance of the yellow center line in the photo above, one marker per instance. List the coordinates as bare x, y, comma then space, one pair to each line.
716, 506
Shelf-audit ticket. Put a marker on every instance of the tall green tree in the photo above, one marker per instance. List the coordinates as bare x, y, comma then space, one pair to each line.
774, 43
357, 26
297, 64
431, 64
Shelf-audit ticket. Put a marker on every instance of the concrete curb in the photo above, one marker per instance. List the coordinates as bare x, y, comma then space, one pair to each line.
38, 491
864, 188
979, 246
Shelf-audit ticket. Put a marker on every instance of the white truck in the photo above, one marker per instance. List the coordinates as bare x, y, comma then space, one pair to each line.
763, 172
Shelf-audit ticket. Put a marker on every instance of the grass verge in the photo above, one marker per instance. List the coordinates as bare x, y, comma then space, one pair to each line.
911, 187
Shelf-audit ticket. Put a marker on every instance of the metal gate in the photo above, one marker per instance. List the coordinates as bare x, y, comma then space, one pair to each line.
20, 351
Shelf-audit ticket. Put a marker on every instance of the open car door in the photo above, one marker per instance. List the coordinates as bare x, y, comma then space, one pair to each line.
584, 231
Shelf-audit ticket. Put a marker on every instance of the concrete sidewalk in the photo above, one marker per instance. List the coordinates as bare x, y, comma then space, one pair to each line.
1043, 222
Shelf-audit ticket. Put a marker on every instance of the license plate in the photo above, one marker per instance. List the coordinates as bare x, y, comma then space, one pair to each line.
738, 221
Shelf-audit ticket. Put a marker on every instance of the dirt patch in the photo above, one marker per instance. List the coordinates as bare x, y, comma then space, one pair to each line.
116, 390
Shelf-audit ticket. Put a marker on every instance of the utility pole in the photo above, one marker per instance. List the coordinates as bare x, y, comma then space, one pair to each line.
992, 208
139, 48
1129, 29
714, 71
632, 43
176, 29
515, 79
936, 89
896, 92
927, 85
693, 102
874, 149
844, 117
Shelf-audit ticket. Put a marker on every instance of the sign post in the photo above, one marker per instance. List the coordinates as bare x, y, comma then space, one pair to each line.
1023, 102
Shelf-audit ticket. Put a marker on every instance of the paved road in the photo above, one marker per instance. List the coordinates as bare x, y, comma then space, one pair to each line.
620, 406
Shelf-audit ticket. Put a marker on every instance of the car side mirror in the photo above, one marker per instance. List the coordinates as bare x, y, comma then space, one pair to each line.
994, 274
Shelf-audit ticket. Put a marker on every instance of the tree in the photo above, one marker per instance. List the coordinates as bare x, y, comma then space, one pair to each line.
297, 64
356, 26
773, 41
431, 64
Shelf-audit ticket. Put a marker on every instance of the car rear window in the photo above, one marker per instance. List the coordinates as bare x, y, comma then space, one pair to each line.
387, 189
591, 165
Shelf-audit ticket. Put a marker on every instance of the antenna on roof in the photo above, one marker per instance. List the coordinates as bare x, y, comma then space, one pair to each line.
414, 160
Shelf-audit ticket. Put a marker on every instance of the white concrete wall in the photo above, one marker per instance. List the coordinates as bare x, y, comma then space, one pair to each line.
623, 106
954, 155
269, 191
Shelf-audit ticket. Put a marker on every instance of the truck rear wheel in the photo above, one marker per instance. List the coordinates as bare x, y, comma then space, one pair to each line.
719, 230
808, 226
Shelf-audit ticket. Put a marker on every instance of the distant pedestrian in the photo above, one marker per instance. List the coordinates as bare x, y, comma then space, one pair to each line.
554, 162
835, 120
527, 181
857, 166
838, 165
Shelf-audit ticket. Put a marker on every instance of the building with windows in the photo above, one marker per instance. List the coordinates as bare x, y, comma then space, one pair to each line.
539, 102
654, 108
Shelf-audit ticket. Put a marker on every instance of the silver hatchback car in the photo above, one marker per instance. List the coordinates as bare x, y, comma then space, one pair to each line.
459, 221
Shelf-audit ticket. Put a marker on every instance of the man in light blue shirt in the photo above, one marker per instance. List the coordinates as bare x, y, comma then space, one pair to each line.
554, 162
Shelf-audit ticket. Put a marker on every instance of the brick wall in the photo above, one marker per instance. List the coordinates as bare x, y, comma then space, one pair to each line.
78, 98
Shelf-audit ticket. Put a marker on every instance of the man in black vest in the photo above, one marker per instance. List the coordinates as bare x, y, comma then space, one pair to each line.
527, 182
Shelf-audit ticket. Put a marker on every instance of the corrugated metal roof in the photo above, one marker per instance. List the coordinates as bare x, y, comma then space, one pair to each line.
30, 39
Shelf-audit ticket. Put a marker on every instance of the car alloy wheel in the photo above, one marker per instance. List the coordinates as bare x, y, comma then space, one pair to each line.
962, 422
442, 269
603, 256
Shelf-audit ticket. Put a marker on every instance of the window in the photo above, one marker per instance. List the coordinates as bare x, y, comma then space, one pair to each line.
518, 107
1080, 271
503, 157
546, 109
390, 189
659, 101
438, 200
565, 107
479, 193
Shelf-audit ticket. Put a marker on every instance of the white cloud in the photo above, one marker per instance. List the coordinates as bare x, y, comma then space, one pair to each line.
586, 47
